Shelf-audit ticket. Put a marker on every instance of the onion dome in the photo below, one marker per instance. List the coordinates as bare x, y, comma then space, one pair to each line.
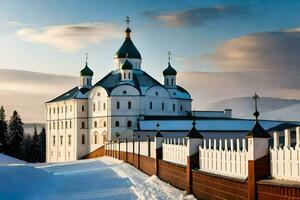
128, 47
126, 65
169, 71
86, 71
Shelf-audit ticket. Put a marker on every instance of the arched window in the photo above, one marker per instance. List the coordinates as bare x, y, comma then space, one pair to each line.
117, 124
82, 139
129, 124
66, 124
53, 140
94, 107
61, 140
118, 105
174, 109
82, 108
70, 124
181, 107
69, 137
128, 75
95, 139
124, 75
151, 105
53, 125
62, 125
82, 125
104, 124
129, 104
104, 106
167, 81
162, 106
172, 81
95, 124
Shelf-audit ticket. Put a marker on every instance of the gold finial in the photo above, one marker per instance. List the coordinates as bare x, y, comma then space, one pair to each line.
256, 113
169, 56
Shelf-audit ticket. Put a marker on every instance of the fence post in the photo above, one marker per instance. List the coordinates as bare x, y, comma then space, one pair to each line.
149, 147
119, 156
258, 158
194, 139
126, 143
139, 151
158, 149
133, 145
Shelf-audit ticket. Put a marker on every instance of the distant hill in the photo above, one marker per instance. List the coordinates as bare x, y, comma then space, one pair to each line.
270, 108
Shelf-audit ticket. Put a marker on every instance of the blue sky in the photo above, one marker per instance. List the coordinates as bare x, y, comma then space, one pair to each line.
192, 30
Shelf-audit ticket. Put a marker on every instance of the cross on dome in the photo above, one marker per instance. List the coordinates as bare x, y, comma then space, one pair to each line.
127, 20
86, 58
169, 56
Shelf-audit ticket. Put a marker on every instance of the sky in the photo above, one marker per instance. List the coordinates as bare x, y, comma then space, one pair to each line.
216, 36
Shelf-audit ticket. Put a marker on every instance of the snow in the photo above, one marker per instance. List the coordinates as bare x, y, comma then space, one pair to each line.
5, 160
101, 178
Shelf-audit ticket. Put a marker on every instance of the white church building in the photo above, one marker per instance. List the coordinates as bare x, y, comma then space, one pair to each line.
83, 118
128, 102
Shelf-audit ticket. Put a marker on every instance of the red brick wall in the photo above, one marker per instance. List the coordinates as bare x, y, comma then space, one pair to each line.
173, 174
206, 186
276, 192
147, 165
97, 153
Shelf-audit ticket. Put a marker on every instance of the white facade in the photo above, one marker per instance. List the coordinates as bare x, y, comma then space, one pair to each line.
80, 120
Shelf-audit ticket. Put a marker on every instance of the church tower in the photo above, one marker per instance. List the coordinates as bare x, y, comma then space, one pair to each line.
128, 51
170, 75
86, 76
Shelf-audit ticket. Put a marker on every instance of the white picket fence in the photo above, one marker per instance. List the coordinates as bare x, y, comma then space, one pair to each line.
285, 162
175, 150
223, 159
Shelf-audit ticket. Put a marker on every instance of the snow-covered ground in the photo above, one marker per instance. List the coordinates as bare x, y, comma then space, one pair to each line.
102, 178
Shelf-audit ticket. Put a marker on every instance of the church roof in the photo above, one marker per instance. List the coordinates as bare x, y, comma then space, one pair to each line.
74, 93
128, 49
126, 65
169, 71
86, 71
141, 81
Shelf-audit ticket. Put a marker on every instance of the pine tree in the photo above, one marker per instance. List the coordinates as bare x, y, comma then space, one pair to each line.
42, 140
3, 130
15, 136
35, 147
27, 149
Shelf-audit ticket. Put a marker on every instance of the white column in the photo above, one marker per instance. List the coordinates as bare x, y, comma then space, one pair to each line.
297, 137
287, 138
275, 140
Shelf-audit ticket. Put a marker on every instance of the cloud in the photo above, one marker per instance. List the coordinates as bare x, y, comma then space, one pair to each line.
266, 51
71, 37
194, 16
27, 92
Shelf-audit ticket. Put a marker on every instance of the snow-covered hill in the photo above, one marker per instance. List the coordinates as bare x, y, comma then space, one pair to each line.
270, 108
103, 178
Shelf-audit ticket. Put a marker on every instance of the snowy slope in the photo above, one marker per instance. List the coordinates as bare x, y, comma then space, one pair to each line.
290, 113
103, 178
5, 160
